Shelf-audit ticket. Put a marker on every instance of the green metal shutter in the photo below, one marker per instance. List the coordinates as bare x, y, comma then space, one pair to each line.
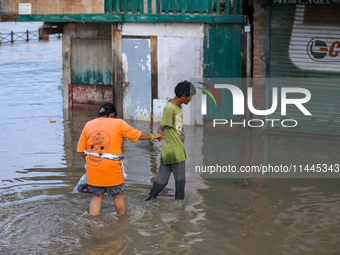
304, 43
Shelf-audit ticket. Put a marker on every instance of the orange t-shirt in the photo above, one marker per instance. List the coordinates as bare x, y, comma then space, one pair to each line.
105, 135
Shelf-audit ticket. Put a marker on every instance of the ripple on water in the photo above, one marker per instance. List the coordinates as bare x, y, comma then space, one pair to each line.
59, 223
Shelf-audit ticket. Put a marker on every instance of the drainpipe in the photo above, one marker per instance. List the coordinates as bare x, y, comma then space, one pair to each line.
249, 58
267, 61
266, 145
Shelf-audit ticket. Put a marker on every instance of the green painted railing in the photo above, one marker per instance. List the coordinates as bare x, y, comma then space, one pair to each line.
177, 7
191, 11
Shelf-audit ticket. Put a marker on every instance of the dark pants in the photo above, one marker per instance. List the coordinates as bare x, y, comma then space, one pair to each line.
162, 179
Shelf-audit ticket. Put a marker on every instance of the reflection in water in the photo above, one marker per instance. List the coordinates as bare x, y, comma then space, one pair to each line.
301, 212
40, 167
218, 216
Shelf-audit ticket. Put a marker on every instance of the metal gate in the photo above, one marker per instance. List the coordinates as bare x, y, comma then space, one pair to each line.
304, 52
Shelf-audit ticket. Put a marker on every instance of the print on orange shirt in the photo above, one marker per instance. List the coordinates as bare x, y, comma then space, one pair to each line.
98, 142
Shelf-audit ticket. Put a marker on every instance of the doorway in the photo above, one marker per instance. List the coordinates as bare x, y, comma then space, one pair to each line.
136, 63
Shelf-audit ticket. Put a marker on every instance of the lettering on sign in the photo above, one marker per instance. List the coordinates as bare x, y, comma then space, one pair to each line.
25, 9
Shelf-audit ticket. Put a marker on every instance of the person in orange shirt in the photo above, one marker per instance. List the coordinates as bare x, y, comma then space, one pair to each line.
100, 145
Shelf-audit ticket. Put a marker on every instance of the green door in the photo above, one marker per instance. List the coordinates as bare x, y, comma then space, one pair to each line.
222, 59
91, 61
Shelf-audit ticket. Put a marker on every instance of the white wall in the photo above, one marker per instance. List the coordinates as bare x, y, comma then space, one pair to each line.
180, 57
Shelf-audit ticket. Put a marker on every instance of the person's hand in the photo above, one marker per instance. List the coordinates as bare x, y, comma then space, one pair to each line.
162, 136
160, 131
158, 136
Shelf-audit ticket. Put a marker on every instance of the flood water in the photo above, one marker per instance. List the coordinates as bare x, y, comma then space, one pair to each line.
39, 168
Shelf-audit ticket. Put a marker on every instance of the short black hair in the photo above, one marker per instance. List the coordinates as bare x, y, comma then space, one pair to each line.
184, 88
106, 109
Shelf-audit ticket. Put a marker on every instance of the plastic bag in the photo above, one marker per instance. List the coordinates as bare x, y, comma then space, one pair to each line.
82, 186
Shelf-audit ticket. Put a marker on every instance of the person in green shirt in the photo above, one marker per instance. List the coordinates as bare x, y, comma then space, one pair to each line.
173, 154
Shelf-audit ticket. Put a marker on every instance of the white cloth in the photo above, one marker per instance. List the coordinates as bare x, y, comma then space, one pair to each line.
111, 157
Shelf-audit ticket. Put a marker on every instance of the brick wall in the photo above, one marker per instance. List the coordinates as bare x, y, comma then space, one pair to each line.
259, 58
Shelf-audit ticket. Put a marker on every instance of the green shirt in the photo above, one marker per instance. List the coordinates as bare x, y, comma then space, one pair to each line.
172, 150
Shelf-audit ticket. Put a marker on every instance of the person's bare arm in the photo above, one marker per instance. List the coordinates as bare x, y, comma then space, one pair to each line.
83, 155
145, 136
160, 131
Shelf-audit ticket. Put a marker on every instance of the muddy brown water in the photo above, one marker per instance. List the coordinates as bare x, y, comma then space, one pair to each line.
39, 168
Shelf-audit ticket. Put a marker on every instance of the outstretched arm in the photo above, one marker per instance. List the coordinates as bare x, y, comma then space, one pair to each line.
145, 136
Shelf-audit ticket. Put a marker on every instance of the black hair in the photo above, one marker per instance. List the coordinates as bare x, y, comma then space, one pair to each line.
184, 88
106, 109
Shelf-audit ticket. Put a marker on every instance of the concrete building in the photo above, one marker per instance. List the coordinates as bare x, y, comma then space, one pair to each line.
133, 53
